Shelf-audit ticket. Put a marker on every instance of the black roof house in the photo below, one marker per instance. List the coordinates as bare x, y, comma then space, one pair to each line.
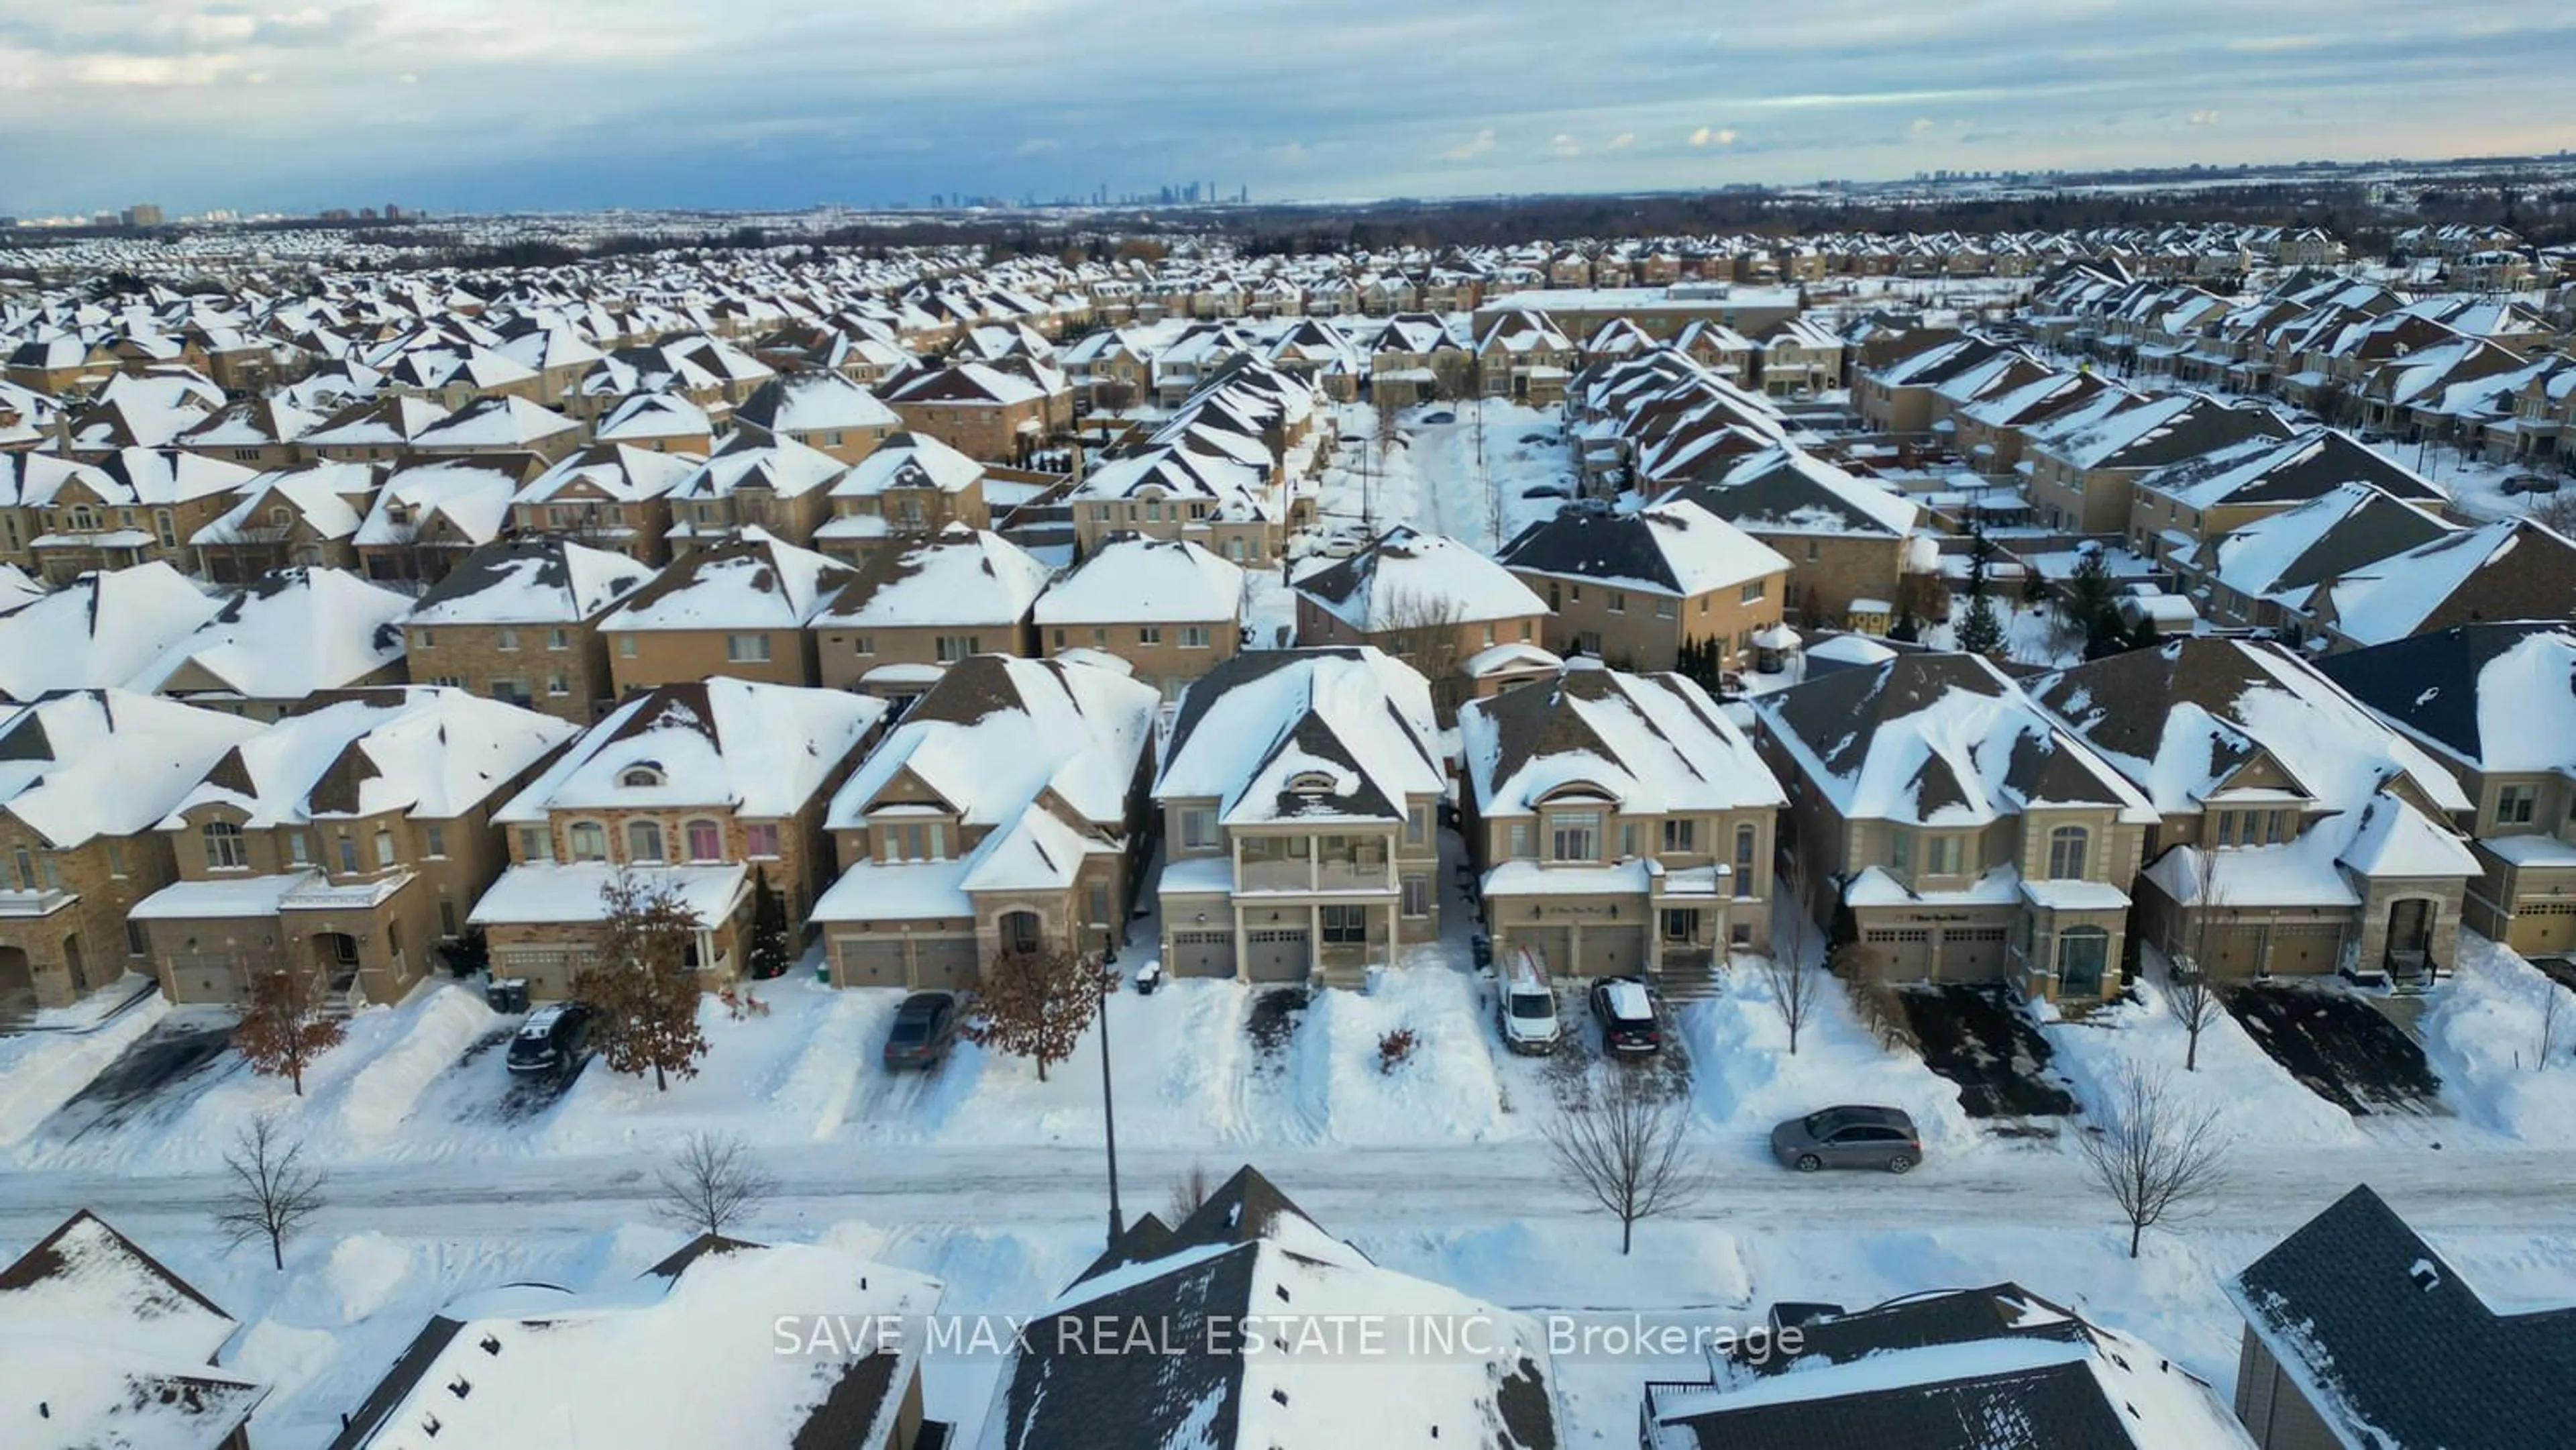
2389, 1346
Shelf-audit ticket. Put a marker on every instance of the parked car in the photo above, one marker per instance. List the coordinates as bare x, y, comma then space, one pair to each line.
555, 1038
2530, 483
1627, 1016
1527, 1010
925, 1027
1849, 1137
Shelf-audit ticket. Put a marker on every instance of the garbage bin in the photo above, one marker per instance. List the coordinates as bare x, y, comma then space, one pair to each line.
507, 995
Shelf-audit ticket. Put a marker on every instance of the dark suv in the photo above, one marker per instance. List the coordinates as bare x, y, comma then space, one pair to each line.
924, 1028
553, 1039
1627, 1016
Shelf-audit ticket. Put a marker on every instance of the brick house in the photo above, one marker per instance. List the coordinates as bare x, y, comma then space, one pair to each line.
285, 636
1622, 826
1299, 792
1845, 538
1633, 588
378, 431
99, 630
124, 507
690, 787
613, 496
85, 776
1465, 623
820, 409
908, 613
909, 488
347, 841
307, 514
1170, 609
657, 423
740, 607
779, 486
984, 410
1004, 813
1967, 834
518, 620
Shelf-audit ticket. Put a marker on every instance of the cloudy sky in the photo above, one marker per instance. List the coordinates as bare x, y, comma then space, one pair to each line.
495, 104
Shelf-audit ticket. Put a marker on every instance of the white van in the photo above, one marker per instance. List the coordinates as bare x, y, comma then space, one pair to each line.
1527, 1007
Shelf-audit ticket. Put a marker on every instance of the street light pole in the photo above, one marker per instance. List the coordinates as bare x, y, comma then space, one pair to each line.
1108, 1100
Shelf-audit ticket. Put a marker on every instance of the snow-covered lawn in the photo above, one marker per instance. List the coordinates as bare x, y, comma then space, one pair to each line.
2254, 1101
2485, 1032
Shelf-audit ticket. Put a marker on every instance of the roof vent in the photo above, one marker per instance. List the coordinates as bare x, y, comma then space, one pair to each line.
491, 1344
2426, 1277
1279, 1395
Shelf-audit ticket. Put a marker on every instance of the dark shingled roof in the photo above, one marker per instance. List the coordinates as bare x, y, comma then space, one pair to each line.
2429, 683
1838, 715
2123, 703
2392, 1348
1780, 497
1587, 545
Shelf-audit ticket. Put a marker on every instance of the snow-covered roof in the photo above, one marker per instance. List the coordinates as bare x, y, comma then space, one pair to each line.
909, 460
292, 633
2500, 697
106, 762
431, 753
763, 750
1406, 579
1674, 547
958, 576
1134, 580
530, 581
99, 630
752, 582
1655, 744
1305, 734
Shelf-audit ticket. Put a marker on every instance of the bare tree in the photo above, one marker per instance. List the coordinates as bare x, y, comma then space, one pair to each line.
1189, 1192
2190, 994
1628, 1151
2548, 1043
271, 1192
711, 1184
286, 1027
2555, 511
1036, 1004
2152, 1155
1796, 983
1423, 630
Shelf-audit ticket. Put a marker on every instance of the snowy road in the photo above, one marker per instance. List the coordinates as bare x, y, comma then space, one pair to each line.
1016, 1186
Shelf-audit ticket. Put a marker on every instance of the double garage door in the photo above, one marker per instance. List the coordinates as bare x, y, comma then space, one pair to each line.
2293, 948
1967, 954
2545, 928
945, 963
1607, 951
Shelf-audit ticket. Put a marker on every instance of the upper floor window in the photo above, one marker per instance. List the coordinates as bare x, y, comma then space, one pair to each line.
1747, 842
384, 850
1753, 589
760, 840
747, 649
1198, 830
2067, 849
954, 647
225, 849
1943, 856
2517, 805
588, 841
1679, 833
643, 841
536, 843
705, 841
1575, 836
641, 775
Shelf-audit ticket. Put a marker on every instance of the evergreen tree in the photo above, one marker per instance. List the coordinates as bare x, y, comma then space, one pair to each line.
769, 954
2143, 635
1979, 631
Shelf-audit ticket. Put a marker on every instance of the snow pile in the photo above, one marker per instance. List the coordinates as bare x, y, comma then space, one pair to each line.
2483, 1035
1746, 1078
1449, 1081
2255, 1100
41, 1071
434, 1029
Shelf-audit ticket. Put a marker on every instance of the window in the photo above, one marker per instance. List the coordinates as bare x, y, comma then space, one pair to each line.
706, 843
26, 861
2067, 847
384, 849
348, 854
559, 639
2517, 805
1417, 896
747, 649
643, 841
138, 938
1149, 634
1417, 825
1666, 608
428, 639
1815, 551
589, 841
2227, 828
536, 843
558, 685
1198, 830
760, 841
1752, 590
1520, 841
1618, 601
1576, 836
433, 840
1900, 852
506, 638
1678, 832
626, 646
1021, 931
1942, 856
2082, 954
1194, 636
955, 647
1746, 839
1345, 926
642, 775
225, 850
1628, 839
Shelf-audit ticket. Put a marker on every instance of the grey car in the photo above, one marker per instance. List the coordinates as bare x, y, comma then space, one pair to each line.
1849, 1137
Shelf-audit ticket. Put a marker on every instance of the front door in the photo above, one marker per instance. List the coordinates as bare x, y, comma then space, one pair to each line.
2410, 931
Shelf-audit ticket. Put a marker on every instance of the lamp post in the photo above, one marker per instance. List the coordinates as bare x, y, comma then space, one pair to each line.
1108, 1100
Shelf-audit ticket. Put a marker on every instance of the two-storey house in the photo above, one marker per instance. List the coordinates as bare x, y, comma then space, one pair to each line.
518, 620
1465, 623
910, 487
908, 613
1170, 609
738, 608
1633, 588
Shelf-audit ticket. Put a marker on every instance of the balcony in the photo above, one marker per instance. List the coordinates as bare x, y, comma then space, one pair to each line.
44, 901
1368, 870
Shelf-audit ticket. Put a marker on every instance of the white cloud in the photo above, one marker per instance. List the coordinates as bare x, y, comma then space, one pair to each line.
1564, 145
2204, 118
1622, 141
1477, 145
1721, 136
1921, 125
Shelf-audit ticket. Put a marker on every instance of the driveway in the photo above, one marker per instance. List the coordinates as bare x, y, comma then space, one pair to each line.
153, 1078
1977, 1038
2338, 1046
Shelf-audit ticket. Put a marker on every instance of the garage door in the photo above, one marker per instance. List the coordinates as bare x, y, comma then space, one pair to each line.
869, 961
1898, 954
948, 962
2306, 948
2230, 953
1973, 954
1614, 951
1276, 956
1201, 954
1553, 945
2545, 928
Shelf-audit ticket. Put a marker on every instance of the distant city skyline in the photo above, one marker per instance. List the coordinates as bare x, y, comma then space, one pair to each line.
474, 105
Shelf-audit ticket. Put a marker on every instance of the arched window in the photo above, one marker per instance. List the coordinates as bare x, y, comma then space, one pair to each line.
643, 841
641, 775
225, 850
2066, 851
2083, 953
706, 842
588, 840
1021, 931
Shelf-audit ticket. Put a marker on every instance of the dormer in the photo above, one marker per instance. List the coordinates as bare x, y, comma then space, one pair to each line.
642, 776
